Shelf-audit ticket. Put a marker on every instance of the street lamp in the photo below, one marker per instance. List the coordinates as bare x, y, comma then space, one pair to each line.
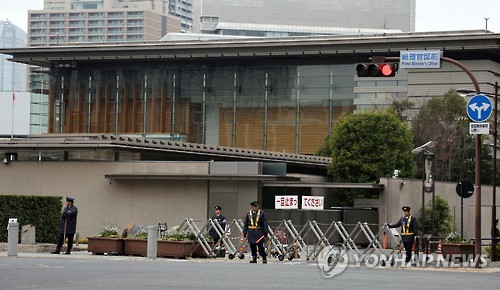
428, 182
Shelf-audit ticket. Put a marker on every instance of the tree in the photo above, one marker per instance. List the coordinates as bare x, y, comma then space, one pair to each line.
400, 106
370, 145
443, 220
365, 147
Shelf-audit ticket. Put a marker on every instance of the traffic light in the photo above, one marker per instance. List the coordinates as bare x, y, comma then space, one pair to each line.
377, 69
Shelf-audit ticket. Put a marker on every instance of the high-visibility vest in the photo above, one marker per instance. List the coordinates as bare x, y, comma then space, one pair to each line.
405, 227
254, 224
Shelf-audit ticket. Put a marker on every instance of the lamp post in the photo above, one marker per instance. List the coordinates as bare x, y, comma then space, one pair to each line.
428, 180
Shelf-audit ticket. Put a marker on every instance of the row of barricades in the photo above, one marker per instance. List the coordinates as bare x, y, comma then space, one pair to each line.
287, 241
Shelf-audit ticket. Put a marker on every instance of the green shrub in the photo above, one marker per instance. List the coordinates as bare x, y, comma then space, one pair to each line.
43, 212
176, 235
497, 252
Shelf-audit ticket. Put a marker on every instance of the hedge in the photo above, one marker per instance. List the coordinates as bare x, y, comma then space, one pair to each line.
44, 212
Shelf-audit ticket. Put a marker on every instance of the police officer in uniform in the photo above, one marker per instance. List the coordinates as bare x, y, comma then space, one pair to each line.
222, 222
408, 224
255, 229
67, 226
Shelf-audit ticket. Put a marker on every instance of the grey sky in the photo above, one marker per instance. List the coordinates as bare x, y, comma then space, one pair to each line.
431, 15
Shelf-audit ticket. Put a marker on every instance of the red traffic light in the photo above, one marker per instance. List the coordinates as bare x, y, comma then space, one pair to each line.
388, 69
376, 70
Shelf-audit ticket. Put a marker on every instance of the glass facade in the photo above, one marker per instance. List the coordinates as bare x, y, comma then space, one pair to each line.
12, 75
276, 107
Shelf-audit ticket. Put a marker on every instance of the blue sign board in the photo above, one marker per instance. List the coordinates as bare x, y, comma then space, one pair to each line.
479, 108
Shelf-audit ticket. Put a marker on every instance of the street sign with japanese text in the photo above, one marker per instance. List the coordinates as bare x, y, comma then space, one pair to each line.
313, 202
286, 202
479, 128
420, 59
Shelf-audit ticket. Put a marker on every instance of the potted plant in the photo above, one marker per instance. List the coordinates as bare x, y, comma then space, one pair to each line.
136, 243
455, 245
177, 244
108, 241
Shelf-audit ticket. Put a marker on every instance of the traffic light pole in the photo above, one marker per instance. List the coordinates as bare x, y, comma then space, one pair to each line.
494, 207
477, 233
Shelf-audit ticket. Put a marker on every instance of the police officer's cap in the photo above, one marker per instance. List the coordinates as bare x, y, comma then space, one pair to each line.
254, 203
70, 199
218, 207
406, 208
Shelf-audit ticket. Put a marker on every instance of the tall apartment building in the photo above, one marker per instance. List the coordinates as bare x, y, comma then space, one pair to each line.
63, 22
279, 18
184, 10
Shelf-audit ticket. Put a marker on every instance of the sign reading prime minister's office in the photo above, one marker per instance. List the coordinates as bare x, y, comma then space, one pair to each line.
420, 59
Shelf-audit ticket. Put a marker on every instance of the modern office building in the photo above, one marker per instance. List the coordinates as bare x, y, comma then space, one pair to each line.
279, 18
14, 115
281, 95
100, 21
12, 75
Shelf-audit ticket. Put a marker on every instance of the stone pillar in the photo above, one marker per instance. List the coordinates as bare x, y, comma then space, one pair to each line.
152, 241
13, 237
28, 234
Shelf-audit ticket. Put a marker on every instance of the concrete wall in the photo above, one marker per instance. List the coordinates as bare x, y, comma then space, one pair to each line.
399, 192
234, 196
142, 202
120, 202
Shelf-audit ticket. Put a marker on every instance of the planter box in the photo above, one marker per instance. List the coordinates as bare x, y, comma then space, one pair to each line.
198, 251
101, 246
458, 249
135, 247
175, 249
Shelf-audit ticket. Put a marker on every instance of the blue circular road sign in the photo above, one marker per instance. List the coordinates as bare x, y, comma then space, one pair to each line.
479, 108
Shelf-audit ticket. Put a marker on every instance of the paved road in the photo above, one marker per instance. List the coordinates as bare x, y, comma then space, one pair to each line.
83, 271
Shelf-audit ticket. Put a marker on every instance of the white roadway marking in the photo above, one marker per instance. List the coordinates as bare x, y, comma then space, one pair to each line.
47, 266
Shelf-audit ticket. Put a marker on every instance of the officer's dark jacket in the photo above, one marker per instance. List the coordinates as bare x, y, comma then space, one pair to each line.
68, 219
255, 226
408, 227
222, 222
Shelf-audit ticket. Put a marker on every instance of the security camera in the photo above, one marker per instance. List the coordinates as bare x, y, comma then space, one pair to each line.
424, 148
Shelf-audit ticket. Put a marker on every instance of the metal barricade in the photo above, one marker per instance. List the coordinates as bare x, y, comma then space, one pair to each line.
190, 224
396, 241
274, 246
240, 253
348, 242
286, 241
374, 245
297, 239
322, 240
224, 237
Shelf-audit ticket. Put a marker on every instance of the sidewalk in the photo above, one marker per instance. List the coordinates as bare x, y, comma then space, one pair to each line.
41, 248
80, 252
